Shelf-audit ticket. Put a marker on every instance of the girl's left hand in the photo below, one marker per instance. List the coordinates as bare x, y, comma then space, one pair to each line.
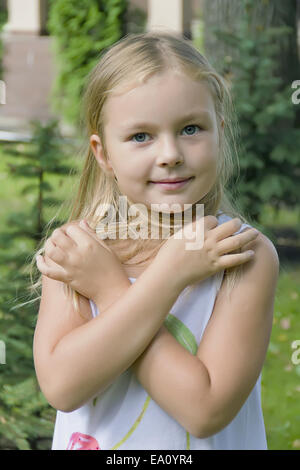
76, 256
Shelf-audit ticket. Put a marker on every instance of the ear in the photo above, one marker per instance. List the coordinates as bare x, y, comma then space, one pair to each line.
98, 151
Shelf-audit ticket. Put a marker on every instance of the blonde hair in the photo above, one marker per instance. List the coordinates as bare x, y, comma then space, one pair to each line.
127, 63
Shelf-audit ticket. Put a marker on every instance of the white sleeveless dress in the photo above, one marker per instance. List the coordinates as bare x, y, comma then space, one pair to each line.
125, 417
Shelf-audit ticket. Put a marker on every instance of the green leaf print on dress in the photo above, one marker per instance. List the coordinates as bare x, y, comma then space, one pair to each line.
185, 337
181, 333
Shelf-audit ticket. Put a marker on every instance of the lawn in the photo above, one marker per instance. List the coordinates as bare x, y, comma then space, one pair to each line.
281, 375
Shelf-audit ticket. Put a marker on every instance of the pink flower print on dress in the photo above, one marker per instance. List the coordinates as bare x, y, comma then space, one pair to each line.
80, 441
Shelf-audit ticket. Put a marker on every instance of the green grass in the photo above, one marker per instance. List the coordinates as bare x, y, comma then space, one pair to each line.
282, 218
281, 377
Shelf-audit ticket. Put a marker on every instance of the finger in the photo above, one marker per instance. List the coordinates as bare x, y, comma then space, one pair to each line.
52, 265
53, 251
210, 222
80, 236
60, 238
236, 241
226, 229
50, 272
204, 223
229, 261
57, 254
85, 226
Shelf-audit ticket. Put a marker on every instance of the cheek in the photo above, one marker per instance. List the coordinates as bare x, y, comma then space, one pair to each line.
130, 173
134, 169
207, 154
212, 145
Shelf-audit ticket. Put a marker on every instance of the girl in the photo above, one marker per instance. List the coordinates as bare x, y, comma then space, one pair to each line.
130, 360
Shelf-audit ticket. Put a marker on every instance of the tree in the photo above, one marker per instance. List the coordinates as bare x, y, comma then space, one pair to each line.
247, 50
81, 29
3, 19
26, 419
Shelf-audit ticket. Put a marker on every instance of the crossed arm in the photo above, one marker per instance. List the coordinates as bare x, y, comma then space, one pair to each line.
202, 392
207, 390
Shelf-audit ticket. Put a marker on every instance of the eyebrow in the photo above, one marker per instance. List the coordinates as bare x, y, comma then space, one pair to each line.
202, 114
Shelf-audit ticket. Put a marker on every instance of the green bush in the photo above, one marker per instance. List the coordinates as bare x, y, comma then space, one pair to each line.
3, 19
82, 30
26, 419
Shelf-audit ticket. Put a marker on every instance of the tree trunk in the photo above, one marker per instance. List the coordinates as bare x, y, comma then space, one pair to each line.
225, 15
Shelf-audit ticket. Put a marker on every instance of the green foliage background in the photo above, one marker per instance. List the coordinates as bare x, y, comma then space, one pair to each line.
25, 416
268, 121
3, 19
81, 31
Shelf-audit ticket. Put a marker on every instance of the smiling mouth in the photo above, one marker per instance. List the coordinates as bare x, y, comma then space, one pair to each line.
177, 180
172, 184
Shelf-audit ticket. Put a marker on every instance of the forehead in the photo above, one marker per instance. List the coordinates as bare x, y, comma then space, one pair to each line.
162, 95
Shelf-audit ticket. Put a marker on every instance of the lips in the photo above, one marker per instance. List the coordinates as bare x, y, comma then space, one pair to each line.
172, 180
172, 184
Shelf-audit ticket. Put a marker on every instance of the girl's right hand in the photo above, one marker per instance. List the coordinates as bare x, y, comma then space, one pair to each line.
192, 266
76, 256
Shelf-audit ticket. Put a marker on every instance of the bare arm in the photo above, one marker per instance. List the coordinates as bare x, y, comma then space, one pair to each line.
76, 359
204, 392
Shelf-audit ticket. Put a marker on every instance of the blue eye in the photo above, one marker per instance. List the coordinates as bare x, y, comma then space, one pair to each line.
191, 126
139, 134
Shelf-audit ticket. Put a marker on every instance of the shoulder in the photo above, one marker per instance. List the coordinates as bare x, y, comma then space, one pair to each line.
257, 277
255, 288
265, 263
266, 256
267, 249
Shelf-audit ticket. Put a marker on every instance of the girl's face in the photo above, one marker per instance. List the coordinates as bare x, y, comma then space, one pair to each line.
163, 129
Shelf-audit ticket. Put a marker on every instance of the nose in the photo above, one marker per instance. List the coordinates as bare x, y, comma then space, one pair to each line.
169, 153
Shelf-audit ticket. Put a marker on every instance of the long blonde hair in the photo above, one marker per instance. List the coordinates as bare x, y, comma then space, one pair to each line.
128, 63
